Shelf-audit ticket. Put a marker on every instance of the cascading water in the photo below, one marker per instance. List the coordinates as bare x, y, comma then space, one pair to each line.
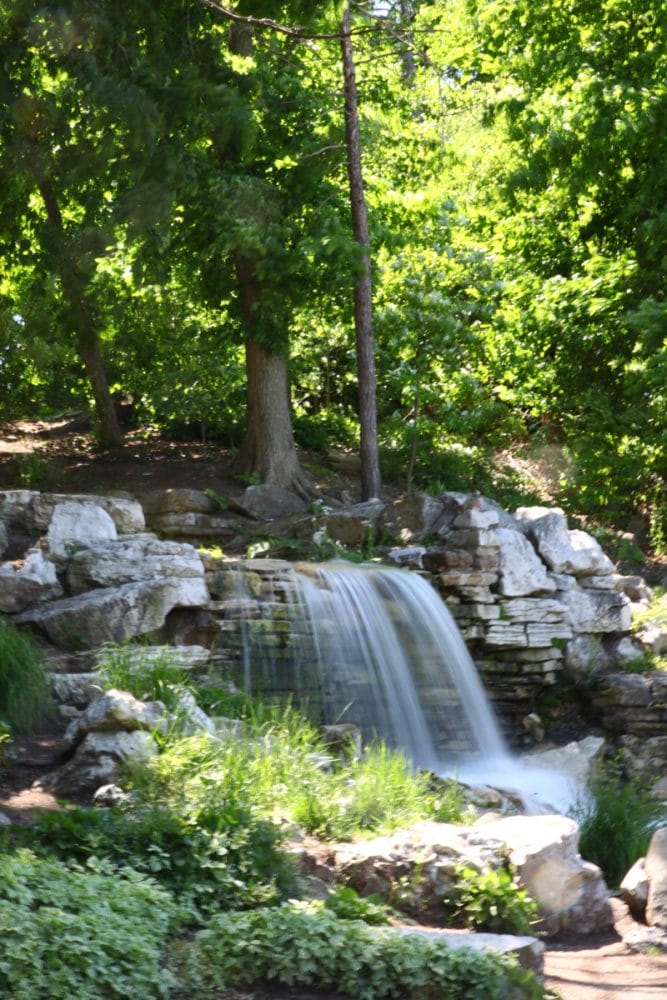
377, 647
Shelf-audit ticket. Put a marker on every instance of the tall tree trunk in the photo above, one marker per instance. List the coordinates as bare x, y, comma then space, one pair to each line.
268, 449
371, 484
108, 430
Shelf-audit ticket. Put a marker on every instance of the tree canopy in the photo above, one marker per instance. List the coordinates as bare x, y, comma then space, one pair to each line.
175, 215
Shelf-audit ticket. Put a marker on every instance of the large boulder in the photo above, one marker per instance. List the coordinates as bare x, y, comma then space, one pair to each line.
27, 581
570, 892
116, 711
521, 571
596, 611
132, 560
264, 502
99, 760
126, 513
78, 525
177, 501
655, 867
577, 760
114, 614
411, 517
564, 551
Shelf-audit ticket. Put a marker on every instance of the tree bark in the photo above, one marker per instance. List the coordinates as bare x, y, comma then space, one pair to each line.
371, 484
268, 449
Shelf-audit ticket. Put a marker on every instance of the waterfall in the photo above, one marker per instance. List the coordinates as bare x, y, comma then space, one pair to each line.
390, 658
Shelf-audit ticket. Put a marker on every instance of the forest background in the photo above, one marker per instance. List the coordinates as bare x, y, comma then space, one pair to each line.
175, 227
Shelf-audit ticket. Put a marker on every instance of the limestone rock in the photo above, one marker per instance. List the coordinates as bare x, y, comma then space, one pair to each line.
15, 505
113, 711
528, 951
265, 502
411, 517
353, 527
576, 760
585, 656
98, 760
78, 525
27, 581
177, 501
521, 571
655, 867
634, 888
114, 614
570, 892
191, 717
411, 556
126, 514
191, 524
634, 587
139, 657
596, 611
76, 689
131, 560
574, 552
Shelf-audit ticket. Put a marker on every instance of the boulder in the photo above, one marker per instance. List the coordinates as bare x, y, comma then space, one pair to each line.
177, 501
521, 571
634, 888
596, 611
570, 892
585, 656
76, 689
265, 502
576, 760
573, 552
114, 614
78, 525
410, 556
655, 867
131, 560
99, 760
116, 711
191, 524
126, 513
411, 517
528, 951
354, 527
15, 505
27, 581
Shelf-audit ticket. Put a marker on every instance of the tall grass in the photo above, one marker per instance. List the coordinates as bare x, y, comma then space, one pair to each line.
616, 822
145, 674
26, 699
278, 767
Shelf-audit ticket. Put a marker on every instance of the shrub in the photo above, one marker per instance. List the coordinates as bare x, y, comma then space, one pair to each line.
298, 945
617, 820
67, 933
492, 900
212, 858
26, 699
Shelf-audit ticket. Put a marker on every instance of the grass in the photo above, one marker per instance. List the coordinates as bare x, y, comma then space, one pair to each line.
145, 675
617, 821
26, 699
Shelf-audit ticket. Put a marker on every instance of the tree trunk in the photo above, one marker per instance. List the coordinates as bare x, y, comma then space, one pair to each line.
363, 291
268, 449
107, 431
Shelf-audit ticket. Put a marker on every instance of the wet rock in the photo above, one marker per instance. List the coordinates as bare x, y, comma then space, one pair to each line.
576, 760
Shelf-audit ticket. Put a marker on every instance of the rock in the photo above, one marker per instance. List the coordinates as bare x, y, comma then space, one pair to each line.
570, 893
634, 888
78, 525
177, 501
343, 737
528, 951
131, 560
113, 711
534, 726
411, 517
4, 820
353, 527
15, 505
521, 572
622, 651
576, 760
99, 760
126, 514
596, 611
4, 538
138, 657
27, 581
584, 656
76, 690
622, 690
114, 614
655, 867
190, 524
191, 718
111, 795
635, 588
654, 637
410, 556
266, 502
574, 552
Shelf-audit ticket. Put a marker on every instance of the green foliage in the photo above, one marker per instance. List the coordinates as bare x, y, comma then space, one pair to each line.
146, 676
347, 904
68, 933
25, 692
617, 819
307, 946
212, 858
492, 900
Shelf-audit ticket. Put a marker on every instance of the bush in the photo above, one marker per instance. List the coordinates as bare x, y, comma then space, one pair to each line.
77, 934
616, 820
492, 900
213, 859
298, 945
26, 699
